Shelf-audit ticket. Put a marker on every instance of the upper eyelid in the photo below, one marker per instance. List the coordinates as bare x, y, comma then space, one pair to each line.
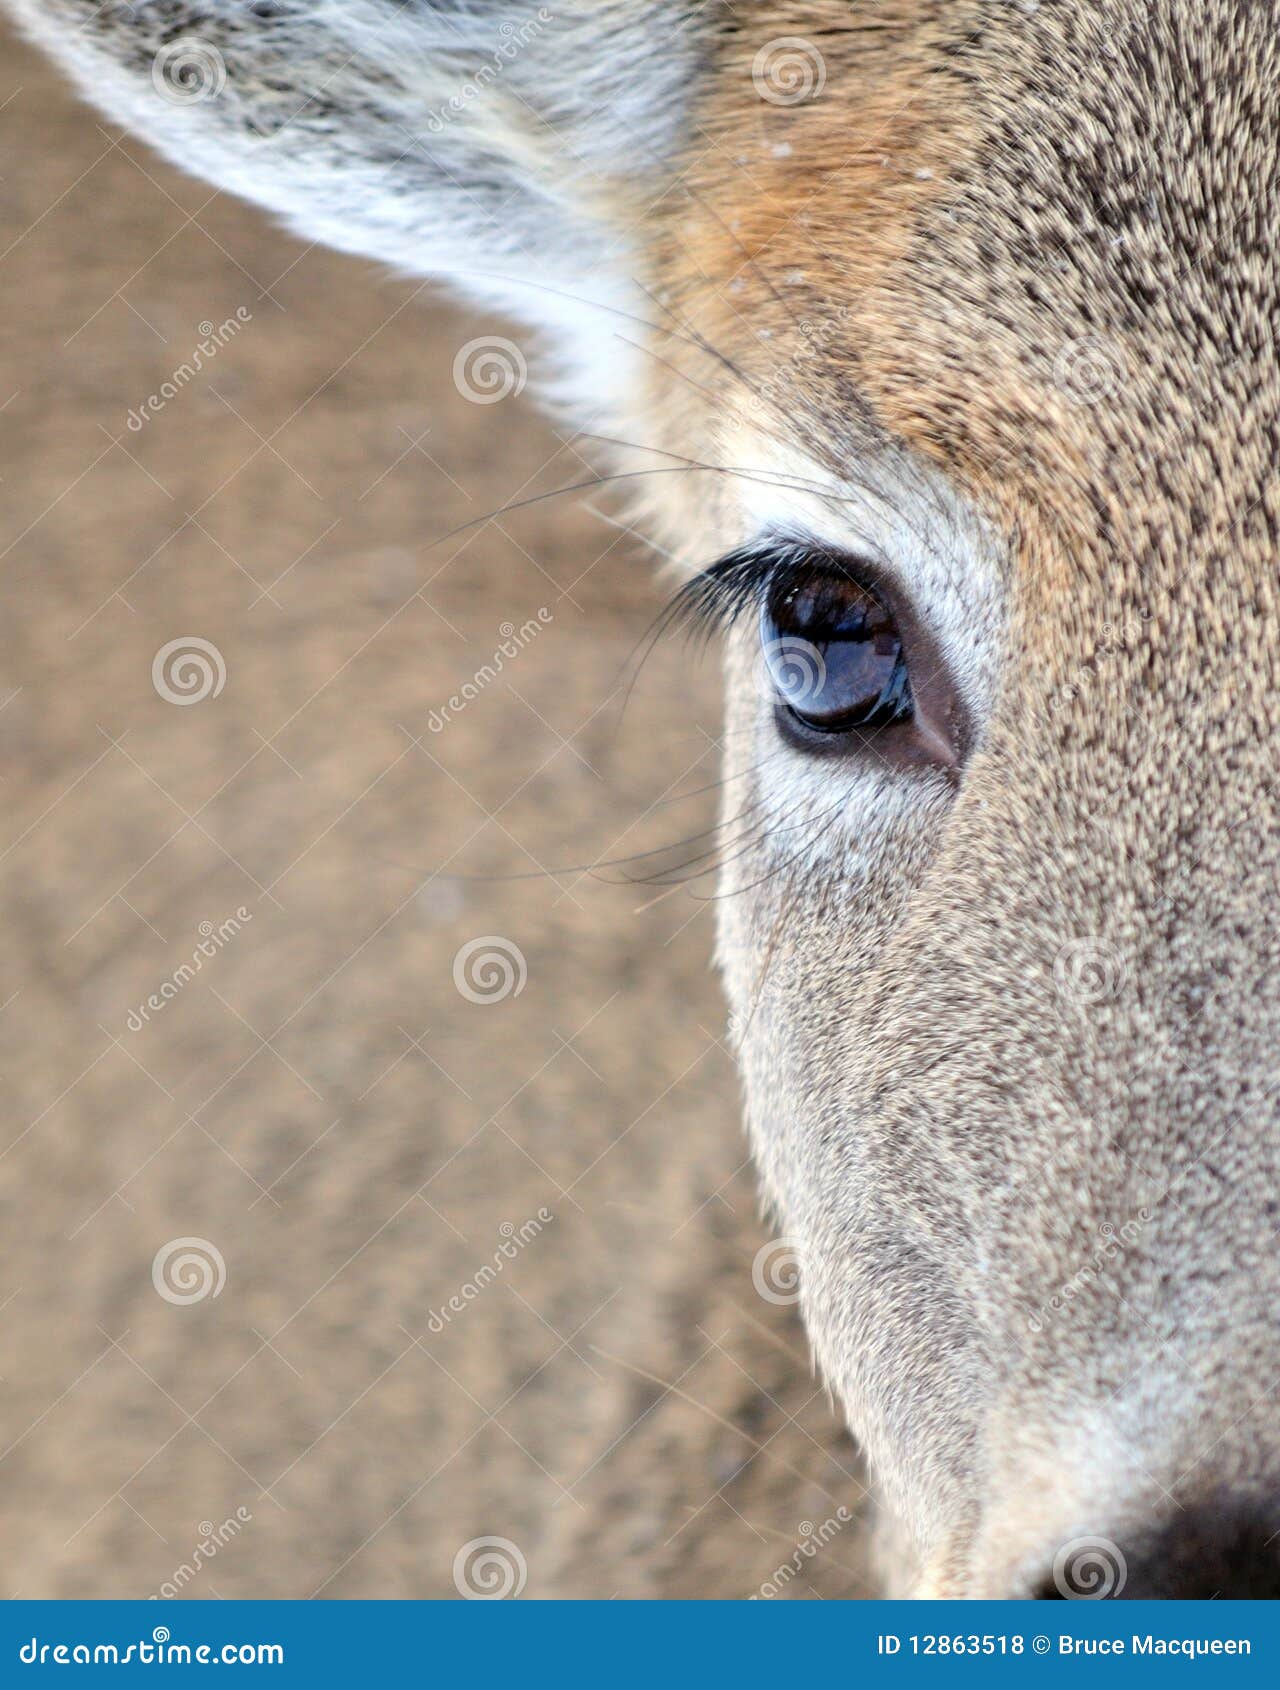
715, 599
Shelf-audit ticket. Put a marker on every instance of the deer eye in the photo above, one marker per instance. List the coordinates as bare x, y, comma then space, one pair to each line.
834, 655
847, 663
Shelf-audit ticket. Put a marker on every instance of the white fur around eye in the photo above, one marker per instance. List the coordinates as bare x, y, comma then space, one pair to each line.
942, 559
940, 554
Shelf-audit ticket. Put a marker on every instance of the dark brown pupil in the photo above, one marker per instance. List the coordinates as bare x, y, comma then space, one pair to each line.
835, 655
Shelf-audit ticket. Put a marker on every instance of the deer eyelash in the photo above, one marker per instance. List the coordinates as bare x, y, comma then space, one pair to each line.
714, 600
741, 582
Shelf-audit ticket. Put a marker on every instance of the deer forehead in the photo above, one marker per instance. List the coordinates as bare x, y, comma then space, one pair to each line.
973, 239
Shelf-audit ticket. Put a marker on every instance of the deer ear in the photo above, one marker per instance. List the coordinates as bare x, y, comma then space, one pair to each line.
507, 146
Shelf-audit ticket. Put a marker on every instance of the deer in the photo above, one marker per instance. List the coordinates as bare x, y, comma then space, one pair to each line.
934, 343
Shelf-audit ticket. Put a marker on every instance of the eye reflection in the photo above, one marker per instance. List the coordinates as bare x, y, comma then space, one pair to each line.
834, 655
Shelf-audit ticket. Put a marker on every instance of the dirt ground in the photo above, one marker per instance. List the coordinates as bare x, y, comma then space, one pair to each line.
345, 1137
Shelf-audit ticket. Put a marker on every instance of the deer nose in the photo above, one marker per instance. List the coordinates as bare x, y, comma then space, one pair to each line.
1227, 1548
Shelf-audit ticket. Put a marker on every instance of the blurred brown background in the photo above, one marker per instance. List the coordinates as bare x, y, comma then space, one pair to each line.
346, 1134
